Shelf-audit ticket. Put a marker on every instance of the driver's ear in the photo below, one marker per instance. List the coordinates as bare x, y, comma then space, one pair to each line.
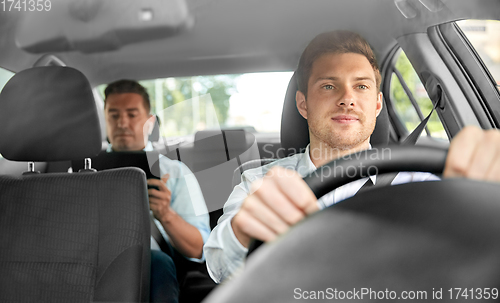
300, 100
380, 103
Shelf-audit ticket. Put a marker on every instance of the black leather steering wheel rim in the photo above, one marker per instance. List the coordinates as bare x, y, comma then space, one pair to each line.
408, 236
379, 160
389, 159
403, 237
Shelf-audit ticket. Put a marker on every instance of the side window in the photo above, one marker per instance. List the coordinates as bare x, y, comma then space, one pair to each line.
410, 100
5, 75
484, 37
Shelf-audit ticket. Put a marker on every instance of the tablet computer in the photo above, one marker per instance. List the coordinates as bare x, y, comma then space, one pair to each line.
108, 160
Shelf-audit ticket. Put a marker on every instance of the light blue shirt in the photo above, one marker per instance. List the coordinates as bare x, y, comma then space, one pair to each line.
187, 199
225, 254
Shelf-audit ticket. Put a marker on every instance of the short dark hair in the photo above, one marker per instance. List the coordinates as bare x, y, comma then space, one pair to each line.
128, 86
334, 42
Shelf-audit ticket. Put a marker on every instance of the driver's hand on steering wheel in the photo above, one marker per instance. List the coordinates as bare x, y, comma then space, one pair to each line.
282, 198
277, 202
474, 153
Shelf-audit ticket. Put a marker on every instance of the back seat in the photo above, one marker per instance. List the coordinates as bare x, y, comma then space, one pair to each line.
213, 157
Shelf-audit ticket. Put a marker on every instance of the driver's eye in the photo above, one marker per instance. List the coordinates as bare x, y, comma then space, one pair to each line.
328, 86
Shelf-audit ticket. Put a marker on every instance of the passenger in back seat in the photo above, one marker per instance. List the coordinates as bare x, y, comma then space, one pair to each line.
178, 205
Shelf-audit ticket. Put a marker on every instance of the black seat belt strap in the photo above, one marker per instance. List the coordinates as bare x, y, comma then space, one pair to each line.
158, 237
387, 179
413, 137
382, 180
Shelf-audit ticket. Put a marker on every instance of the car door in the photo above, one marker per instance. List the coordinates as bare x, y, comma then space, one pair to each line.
455, 76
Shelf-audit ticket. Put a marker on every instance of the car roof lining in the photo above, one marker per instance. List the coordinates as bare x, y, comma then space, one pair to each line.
247, 36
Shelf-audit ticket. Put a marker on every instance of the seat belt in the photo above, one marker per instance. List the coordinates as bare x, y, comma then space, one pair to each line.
413, 137
382, 180
156, 234
386, 179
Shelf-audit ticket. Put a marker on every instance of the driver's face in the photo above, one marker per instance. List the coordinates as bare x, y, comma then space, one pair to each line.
342, 102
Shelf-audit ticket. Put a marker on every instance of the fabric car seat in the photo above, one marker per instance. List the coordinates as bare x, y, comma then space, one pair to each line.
217, 153
67, 237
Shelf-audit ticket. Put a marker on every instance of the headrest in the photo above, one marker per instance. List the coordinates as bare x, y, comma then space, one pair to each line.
295, 130
155, 133
48, 113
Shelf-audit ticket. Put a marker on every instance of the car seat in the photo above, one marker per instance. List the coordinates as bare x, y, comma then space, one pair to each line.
66, 237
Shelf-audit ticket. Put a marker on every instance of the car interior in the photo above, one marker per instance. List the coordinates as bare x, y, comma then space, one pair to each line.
220, 74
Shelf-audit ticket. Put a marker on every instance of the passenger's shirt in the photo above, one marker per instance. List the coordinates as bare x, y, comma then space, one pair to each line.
187, 199
225, 255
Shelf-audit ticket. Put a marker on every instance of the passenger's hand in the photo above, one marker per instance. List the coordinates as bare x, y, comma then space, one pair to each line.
278, 201
159, 200
474, 153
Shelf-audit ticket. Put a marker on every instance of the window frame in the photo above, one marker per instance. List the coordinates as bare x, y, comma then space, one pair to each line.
472, 75
399, 130
392, 70
437, 75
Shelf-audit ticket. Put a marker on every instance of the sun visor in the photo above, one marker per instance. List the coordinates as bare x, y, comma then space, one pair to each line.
97, 26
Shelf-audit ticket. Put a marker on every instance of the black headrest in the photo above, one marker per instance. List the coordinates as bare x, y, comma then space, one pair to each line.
48, 113
295, 131
155, 133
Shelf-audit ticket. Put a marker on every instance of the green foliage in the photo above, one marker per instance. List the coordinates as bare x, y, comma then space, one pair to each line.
402, 103
187, 117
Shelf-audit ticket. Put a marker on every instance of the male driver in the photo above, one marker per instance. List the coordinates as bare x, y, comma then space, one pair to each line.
128, 122
339, 95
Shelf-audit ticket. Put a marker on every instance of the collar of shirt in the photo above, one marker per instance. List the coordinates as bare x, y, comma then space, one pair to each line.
305, 165
149, 147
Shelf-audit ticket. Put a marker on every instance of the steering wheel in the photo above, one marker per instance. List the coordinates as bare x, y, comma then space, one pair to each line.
424, 236
375, 161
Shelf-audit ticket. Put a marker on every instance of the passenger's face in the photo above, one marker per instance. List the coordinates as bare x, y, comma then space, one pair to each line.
126, 117
342, 101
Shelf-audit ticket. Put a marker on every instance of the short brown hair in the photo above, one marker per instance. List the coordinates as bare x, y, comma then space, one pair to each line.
335, 42
128, 86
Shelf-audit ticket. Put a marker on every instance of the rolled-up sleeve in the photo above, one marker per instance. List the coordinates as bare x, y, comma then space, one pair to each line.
187, 199
225, 254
